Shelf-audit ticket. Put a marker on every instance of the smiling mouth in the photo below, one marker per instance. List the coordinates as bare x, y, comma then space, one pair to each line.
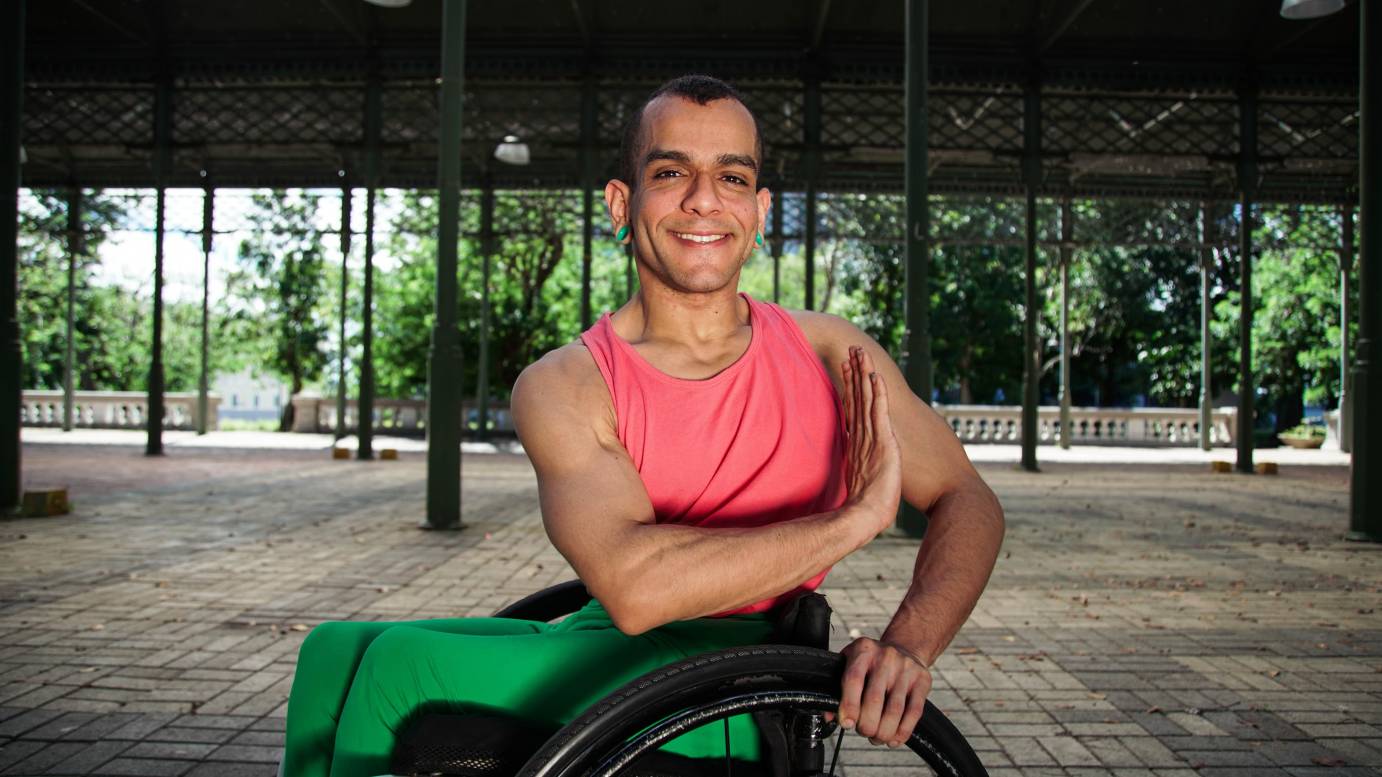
703, 239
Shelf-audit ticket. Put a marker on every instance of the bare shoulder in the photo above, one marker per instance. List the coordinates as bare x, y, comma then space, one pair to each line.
563, 389
830, 334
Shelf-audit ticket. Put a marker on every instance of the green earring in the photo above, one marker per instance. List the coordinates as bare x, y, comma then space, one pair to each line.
622, 233
758, 238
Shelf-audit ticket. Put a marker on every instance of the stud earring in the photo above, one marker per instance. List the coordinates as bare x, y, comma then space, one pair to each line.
758, 238
622, 233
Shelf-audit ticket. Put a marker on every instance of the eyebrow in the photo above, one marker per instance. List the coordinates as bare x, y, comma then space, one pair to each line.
723, 160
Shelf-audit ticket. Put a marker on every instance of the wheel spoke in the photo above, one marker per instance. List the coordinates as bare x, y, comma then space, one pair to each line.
836, 757
729, 766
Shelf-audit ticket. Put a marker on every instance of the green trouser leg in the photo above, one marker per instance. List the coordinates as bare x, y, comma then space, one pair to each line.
358, 683
326, 666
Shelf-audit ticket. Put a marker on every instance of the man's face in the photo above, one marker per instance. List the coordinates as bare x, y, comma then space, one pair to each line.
697, 207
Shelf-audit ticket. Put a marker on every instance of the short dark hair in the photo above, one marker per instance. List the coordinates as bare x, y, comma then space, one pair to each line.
701, 90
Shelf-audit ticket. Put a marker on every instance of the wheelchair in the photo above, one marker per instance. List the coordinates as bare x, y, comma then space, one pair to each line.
785, 687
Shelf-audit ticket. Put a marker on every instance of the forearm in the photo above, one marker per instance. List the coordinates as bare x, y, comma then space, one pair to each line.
667, 572
963, 535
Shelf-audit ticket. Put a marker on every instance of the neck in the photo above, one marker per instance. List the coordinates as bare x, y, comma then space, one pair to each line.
656, 313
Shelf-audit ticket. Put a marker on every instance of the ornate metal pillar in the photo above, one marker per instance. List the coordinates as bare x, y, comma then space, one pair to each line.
444, 374
1345, 316
204, 379
1031, 179
1365, 486
364, 412
587, 173
916, 359
163, 113
812, 110
1067, 235
341, 318
486, 254
1206, 264
74, 250
12, 111
779, 202
1247, 185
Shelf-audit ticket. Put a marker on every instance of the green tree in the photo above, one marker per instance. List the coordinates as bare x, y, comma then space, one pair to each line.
106, 356
278, 291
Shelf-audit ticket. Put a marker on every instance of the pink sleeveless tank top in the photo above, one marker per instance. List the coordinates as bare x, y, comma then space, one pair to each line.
762, 441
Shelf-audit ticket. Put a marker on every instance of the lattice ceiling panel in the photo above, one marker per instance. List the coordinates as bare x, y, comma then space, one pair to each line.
975, 121
411, 113
1311, 130
544, 118
779, 114
862, 118
329, 113
1182, 125
79, 115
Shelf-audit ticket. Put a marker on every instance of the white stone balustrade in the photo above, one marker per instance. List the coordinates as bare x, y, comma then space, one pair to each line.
114, 409
317, 414
1150, 426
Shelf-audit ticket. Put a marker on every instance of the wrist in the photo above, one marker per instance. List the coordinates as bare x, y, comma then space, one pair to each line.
857, 523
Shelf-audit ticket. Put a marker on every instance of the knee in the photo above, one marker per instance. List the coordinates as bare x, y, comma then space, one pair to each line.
393, 647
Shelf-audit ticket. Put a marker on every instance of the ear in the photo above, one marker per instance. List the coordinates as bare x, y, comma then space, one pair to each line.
617, 203
765, 205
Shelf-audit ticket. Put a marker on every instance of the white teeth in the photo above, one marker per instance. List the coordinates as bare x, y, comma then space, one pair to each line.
699, 238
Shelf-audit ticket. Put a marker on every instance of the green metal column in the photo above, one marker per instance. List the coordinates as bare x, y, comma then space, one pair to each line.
204, 381
12, 112
1067, 236
1365, 477
1345, 316
444, 368
341, 318
1031, 179
1206, 264
486, 253
1247, 184
74, 250
364, 415
163, 114
916, 356
812, 128
587, 197
776, 246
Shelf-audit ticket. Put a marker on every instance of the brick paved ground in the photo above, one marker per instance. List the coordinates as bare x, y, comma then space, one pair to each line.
1150, 621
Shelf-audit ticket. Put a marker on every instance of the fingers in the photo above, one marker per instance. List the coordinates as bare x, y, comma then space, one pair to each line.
884, 692
877, 688
847, 373
864, 400
916, 703
852, 688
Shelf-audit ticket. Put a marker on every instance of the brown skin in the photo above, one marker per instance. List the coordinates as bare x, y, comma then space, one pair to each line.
700, 176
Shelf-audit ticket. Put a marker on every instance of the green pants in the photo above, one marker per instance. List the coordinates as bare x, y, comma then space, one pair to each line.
358, 684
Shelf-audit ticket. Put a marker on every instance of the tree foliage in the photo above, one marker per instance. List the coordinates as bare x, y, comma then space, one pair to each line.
1134, 306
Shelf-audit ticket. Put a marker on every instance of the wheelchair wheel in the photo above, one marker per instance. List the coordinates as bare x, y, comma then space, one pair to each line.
609, 738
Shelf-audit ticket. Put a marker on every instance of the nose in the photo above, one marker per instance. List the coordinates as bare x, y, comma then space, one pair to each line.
701, 197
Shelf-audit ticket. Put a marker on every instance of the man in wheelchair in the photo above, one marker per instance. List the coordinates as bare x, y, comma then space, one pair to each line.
703, 459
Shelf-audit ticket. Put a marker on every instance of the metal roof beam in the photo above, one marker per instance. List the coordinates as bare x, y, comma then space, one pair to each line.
117, 26
1064, 25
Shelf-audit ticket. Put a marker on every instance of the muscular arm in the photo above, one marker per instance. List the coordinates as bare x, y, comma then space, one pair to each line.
965, 521
598, 515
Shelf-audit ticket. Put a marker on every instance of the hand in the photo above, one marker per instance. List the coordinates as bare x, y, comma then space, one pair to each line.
873, 463
884, 693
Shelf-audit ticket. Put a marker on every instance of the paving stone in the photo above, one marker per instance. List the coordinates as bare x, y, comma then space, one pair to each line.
1113, 638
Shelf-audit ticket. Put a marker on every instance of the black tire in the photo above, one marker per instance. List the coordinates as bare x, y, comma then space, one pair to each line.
762, 675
